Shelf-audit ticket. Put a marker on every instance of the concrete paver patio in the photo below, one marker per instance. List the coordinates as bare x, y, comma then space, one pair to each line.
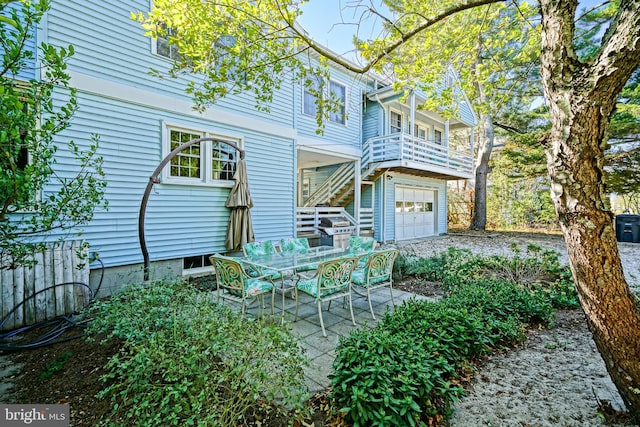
337, 321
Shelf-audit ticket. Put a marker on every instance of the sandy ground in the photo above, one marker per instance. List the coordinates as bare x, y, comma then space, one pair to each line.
557, 378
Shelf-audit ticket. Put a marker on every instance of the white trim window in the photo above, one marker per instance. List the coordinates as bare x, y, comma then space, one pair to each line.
203, 163
437, 136
420, 132
163, 47
310, 95
395, 122
338, 93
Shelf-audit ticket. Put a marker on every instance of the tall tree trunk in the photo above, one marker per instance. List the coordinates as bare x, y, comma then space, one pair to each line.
479, 218
581, 97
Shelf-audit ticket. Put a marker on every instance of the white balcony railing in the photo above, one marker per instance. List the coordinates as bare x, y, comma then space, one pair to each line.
409, 148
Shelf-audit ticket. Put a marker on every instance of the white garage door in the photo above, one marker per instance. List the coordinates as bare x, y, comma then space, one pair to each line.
415, 213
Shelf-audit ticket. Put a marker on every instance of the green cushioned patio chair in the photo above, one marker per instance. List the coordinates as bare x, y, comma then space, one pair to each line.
377, 273
266, 247
361, 246
256, 249
233, 283
332, 280
297, 245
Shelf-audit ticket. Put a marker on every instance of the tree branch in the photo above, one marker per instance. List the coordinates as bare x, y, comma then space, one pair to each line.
508, 128
619, 55
391, 47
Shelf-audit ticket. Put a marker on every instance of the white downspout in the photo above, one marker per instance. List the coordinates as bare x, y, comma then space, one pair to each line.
446, 133
383, 202
383, 121
472, 138
384, 178
412, 114
357, 182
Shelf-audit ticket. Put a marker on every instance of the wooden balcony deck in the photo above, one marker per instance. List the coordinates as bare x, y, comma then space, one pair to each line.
409, 154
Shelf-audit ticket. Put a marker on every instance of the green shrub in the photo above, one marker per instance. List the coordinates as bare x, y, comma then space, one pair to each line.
540, 271
404, 265
187, 360
561, 294
55, 366
385, 378
501, 299
454, 333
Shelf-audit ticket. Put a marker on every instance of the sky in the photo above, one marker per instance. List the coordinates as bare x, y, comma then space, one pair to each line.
321, 19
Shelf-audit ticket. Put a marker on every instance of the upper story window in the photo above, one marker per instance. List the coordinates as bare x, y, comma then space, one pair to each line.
420, 132
310, 95
227, 62
395, 122
164, 47
437, 136
205, 162
336, 91
339, 93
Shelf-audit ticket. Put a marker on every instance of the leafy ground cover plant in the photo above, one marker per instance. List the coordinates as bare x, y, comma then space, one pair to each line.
537, 269
384, 378
187, 360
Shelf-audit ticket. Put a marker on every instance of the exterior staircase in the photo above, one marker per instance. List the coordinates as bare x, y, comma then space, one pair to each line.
338, 189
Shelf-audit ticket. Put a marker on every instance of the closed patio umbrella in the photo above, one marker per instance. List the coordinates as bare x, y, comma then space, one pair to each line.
239, 201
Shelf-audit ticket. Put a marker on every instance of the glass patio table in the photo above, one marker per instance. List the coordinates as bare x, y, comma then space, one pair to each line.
285, 265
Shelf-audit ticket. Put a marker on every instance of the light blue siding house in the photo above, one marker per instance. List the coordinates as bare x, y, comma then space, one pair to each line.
381, 162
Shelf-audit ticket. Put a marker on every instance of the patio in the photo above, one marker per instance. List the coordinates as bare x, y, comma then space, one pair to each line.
337, 321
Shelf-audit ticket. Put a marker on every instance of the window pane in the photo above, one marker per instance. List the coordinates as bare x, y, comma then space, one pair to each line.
310, 95
185, 164
223, 163
438, 136
396, 122
164, 47
398, 207
338, 92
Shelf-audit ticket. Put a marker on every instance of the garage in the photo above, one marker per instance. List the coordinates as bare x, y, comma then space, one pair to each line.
415, 212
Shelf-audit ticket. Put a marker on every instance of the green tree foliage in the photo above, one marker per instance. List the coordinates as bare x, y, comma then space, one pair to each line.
623, 139
518, 196
35, 198
492, 48
523, 129
623, 155
237, 47
518, 199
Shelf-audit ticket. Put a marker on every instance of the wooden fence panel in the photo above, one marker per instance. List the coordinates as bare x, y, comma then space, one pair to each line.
25, 288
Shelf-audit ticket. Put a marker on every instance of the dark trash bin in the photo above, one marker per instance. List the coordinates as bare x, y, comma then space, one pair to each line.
628, 228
